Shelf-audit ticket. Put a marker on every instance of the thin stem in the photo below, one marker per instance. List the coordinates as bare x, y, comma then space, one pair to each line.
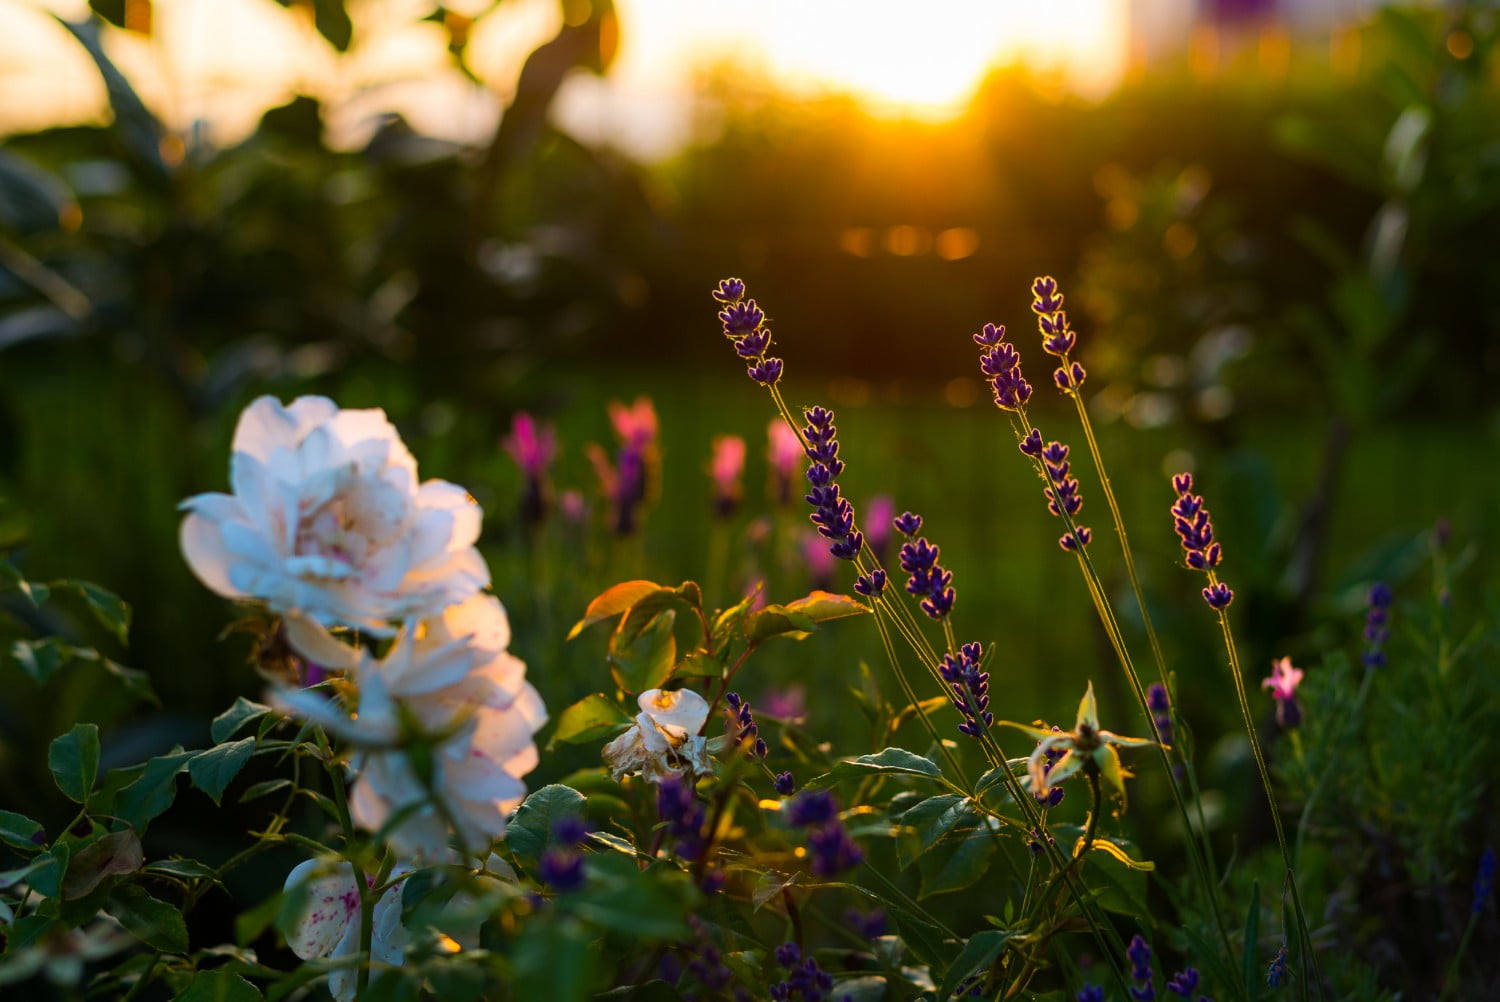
1304, 935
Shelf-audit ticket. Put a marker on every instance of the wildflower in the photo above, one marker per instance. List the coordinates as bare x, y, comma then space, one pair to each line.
1160, 706
328, 521
442, 726
1484, 880
784, 457
1276, 973
1062, 495
744, 325
1184, 983
1139, 955
907, 523
1035, 842
328, 925
726, 468
834, 516
1091, 993
828, 843
1084, 744
1283, 682
1057, 337
821, 565
1195, 529
871, 585
561, 865
532, 446
679, 807
869, 925
929, 581
664, 740
804, 980
741, 726
878, 514
970, 689
785, 783
1001, 364
1377, 625
627, 483
1056, 795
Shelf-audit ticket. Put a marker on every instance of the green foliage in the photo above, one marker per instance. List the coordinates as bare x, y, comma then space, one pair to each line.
74, 761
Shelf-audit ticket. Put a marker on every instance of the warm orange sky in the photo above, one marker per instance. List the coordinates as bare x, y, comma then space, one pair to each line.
227, 60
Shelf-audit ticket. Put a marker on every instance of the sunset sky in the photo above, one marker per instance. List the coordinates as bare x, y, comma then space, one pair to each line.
226, 61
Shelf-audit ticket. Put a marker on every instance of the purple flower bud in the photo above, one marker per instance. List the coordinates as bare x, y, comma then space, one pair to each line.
785, 784
1218, 596
1031, 445
1184, 983
907, 523
754, 344
765, 372
561, 870
871, 585
1072, 543
1182, 483
741, 318
730, 290
815, 807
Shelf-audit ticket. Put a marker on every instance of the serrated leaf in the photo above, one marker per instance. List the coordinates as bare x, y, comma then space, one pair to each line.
614, 601
20, 832
212, 770
219, 986
108, 608
530, 832
114, 854
978, 953
231, 720
590, 718
151, 794
150, 920
74, 761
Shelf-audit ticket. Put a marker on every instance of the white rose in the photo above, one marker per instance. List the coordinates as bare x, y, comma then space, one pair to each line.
664, 739
328, 521
452, 677
328, 925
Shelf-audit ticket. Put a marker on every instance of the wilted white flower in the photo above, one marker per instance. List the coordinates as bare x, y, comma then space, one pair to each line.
328, 924
443, 727
664, 739
328, 521
1084, 746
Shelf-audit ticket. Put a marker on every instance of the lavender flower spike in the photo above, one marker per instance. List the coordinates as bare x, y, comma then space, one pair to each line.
1062, 495
745, 326
1201, 552
1057, 337
834, 515
929, 581
970, 687
1001, 364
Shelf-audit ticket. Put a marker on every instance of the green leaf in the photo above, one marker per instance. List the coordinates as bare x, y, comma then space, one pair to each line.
614, 601
699, 664
219, 986
648, 660
996, 776
727, 622
52, 867
956, 862
822, 606
590, 718
40, 658
553, 961
10, 878
36, 594
531, 830
108, 608
889, 762
231, 720
110, 856
151, 794
928, 823
263, 788
183, 869
978, 953
74, 761
20, 832
777, 621
212, 770
150, 920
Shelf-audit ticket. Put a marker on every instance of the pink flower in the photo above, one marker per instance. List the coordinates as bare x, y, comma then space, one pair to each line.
820, 563
531, 444
877, 521
635, 424
1283, 680
727, 467
784, 451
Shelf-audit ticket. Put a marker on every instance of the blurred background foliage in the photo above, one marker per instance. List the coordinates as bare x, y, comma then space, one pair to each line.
1287, 281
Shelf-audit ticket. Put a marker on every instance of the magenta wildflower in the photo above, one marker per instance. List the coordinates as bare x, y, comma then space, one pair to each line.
820, 564
726, 468
878, 514
1283, 682
532, 445
627, 482
784, 455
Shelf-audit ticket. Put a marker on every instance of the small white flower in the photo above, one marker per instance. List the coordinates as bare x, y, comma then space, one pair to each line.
1086, 745
328, 521
328, 925
447, 684
664, 740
